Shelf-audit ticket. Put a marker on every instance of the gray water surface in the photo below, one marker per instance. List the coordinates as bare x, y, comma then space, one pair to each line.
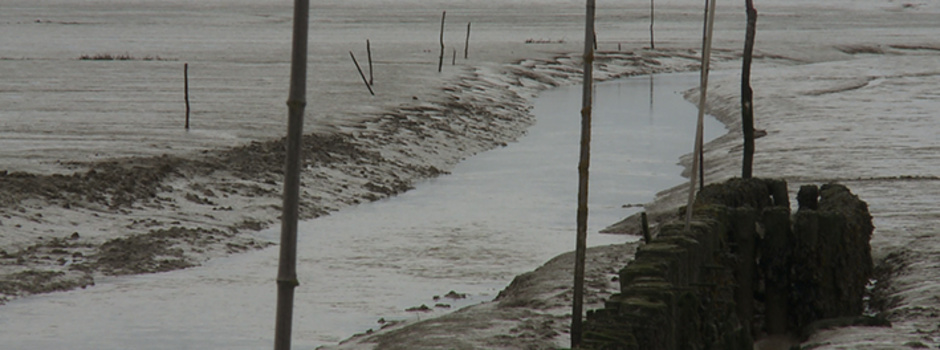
497, 215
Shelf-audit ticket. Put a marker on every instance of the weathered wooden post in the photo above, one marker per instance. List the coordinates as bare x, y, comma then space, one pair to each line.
440, 61
747, 95
296, 101
645, 225
583, 166
775, 256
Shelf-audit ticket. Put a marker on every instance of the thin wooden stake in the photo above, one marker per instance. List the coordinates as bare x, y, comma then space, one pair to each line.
595, 41
364, 80
703, 89
583, 167
453, 60
296, 101
440, 61
652, 18
645, 224
466, 43
186, 91
747, 95
369, 53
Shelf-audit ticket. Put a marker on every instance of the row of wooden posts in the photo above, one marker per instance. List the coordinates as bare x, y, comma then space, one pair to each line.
368, 82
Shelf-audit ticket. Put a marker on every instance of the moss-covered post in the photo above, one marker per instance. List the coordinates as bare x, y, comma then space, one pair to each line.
583, 166
744, 223
775, 255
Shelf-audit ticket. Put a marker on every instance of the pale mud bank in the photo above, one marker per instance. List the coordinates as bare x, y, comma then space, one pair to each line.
861, 115
153, 214
866, 122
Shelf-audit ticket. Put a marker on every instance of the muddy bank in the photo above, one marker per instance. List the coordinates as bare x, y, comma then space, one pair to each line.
155, 214
533, 312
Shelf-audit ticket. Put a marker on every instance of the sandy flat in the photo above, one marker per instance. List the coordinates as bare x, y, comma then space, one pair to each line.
100, 178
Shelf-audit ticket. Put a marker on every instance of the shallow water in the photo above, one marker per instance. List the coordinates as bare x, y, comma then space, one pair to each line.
498, 214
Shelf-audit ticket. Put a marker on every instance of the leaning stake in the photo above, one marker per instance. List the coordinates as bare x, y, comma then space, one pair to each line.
296, 101
583, 166
369, 53
364, 80
703, 89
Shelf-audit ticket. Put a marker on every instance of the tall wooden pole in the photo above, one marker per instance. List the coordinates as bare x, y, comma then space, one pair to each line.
703, 89
747, 95
440, 62
296, 101
583, 166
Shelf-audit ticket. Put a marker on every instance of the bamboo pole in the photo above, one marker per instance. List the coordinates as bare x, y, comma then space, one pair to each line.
703, 89
466, 43
369, 53
364, 80
747, 95
440, 61
186, 91
583, 167
296, 101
